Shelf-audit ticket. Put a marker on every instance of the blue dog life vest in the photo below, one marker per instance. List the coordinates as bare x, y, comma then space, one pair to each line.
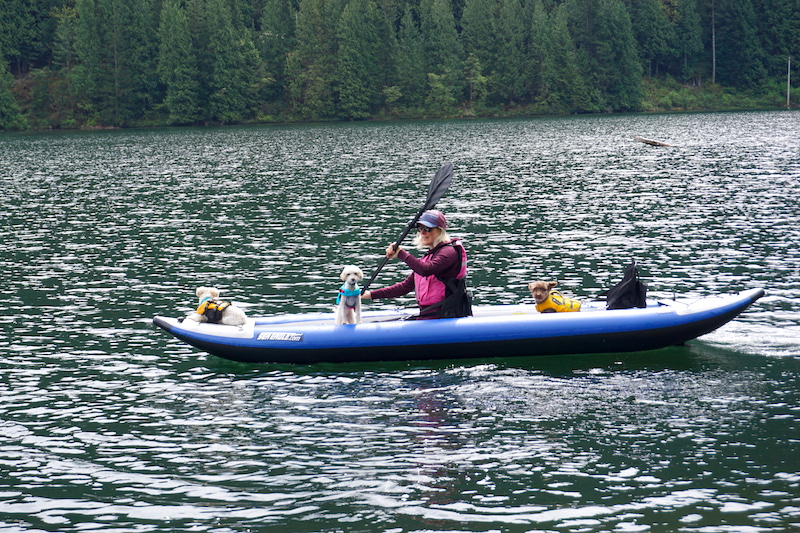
348, 295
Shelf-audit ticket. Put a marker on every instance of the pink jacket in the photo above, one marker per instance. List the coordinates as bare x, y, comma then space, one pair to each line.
447, 260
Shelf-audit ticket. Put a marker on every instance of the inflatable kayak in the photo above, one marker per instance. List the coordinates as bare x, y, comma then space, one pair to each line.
493, 331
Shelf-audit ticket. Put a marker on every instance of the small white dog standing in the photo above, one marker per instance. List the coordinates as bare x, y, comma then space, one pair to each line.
216, 311
348, 303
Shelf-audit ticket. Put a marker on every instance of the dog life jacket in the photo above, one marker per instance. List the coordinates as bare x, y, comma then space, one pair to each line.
349, 296
557, 303
212, 309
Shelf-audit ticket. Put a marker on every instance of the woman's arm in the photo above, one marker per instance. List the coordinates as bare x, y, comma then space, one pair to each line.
393, 291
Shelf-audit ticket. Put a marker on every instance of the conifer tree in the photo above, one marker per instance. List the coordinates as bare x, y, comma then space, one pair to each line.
116, 58
358, 64
309, 67
177, 66
617, 60
607, 52
510, 52
277, 39
10, 117
563, 78
539, 61
688, 42
141, 37
779, 30
91, 60
479, 32
740, 58
443, 54
653, 31
227, 100
409, 76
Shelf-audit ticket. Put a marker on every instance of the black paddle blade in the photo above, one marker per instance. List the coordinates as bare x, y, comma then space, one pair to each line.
439, 185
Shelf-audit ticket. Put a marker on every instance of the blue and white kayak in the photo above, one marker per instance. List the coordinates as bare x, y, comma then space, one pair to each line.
493, 331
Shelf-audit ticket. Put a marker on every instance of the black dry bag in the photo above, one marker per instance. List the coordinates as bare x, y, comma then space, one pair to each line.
628, 293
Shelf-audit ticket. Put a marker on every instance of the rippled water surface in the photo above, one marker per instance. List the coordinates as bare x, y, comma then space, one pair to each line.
107, 424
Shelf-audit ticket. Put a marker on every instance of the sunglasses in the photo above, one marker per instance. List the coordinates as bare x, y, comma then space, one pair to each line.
424, 229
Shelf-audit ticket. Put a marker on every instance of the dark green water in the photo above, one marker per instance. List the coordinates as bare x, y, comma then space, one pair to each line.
107, 424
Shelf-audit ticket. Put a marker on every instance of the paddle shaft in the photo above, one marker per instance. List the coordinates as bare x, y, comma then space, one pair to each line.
439, 185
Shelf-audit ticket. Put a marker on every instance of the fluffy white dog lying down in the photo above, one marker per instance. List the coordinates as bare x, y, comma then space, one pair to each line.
348, 303
212, 309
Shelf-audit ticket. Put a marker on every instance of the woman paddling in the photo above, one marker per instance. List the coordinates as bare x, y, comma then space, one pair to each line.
438, 278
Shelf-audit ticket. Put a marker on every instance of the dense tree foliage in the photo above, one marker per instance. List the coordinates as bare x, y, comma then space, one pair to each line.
84, 63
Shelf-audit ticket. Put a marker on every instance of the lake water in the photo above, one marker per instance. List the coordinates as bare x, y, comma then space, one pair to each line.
109, 425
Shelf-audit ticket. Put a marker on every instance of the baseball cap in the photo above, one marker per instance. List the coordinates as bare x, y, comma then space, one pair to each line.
433, 219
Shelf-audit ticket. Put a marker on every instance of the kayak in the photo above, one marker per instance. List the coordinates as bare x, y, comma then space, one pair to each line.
492, 331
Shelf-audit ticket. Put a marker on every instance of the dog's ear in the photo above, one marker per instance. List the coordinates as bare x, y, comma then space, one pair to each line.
200, 290
359, 273
551, 284
214, 292
343, 274
530, 286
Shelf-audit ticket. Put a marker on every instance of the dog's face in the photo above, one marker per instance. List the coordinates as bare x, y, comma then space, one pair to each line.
207, 292
351, 275
540, 290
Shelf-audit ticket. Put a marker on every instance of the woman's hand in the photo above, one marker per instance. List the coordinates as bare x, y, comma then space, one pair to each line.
392, 250
367, 295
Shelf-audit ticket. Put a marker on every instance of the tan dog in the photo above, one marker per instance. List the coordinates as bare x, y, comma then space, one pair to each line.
550, 301
216, 311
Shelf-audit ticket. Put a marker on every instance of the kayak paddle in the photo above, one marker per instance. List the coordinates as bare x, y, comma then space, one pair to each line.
439, 185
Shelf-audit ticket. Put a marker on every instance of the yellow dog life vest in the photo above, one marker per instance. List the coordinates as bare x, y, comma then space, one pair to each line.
212, 309
556, 303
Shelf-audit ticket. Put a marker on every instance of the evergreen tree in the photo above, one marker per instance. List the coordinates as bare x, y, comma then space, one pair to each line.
688, 42
227, 99
10, 117
562, 76
359, 70
779, 28
116, 58
26, 32
63, 47
177, 66
91, 59
538, 51
443, 54
617, 60
277, 38
510, 59
310, 69
653, 31
740, 58
477, 83
65, 97
607, 52
479, 32
409, 77
141, 37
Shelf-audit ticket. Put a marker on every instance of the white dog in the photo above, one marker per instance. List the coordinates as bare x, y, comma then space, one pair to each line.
216, 311
348, 303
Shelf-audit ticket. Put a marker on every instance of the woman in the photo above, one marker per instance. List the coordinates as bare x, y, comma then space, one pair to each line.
438, 278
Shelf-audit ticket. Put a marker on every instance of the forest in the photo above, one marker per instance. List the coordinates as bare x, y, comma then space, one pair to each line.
132, 63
